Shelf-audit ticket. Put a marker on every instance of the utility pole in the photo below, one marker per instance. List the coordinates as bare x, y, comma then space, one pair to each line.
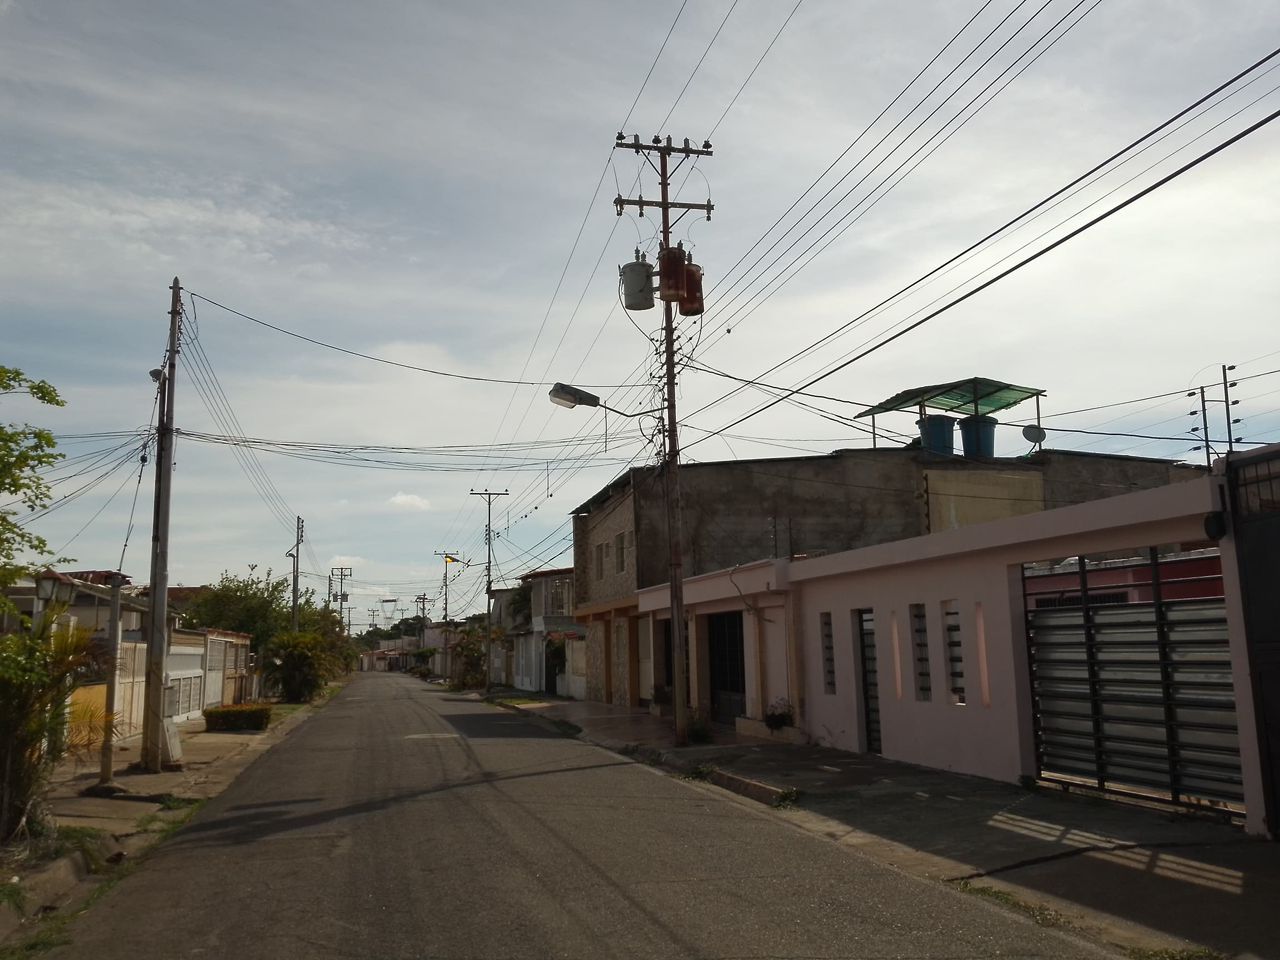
448, 559
341, 595
297, 548
489, 497
153, 732
671, 473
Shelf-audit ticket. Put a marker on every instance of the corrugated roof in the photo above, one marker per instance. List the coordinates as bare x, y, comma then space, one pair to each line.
971, 395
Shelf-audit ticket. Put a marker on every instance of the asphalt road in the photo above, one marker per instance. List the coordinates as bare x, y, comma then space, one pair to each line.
402, 821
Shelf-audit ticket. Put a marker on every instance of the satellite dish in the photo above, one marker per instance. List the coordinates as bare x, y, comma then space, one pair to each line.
1033, 433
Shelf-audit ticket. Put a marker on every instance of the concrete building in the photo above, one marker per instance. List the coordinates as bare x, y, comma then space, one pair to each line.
743, 511
1112, 644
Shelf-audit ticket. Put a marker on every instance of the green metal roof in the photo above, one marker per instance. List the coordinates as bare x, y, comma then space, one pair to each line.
972, 395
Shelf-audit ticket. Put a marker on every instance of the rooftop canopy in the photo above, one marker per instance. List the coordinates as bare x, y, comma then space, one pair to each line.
974, 395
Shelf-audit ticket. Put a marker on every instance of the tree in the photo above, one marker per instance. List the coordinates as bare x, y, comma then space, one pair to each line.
24, 451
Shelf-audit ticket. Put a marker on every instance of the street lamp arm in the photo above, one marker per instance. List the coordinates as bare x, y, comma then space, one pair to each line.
567, 395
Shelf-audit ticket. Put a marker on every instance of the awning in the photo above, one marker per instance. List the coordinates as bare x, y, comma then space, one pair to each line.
974, 395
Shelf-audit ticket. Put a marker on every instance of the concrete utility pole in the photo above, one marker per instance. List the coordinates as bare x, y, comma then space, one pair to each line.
489, 497
448, 559
153, 738
297, 547
671, 473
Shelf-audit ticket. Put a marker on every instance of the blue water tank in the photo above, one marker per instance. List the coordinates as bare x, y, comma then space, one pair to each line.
937, 433
978, 435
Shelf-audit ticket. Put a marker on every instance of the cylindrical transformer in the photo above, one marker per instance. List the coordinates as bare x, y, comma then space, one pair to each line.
671, 274
691, 302
637, 284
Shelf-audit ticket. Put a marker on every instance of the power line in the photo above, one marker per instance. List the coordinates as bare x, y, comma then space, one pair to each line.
1168, 178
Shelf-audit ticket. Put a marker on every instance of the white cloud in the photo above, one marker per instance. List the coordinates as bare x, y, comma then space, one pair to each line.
409, 501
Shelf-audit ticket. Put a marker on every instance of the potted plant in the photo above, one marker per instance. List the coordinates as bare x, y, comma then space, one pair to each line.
780, 714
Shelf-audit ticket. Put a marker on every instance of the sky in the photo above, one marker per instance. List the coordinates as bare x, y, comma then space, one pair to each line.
428, 187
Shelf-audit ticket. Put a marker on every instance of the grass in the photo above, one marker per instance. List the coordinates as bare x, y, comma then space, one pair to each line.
281, 711
1195, 953
12, 894
699, 772
1040, 915
787, 798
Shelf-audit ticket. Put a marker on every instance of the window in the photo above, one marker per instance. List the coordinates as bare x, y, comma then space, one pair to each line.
955, 650
557, 605
828, 655
920, 650
599, 561
620, 552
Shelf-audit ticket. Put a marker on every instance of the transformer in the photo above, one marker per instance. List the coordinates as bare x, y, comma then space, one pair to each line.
637, 283
671, 273
691, 302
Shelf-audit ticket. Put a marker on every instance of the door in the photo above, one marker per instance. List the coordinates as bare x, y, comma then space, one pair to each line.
864, 628
728, 666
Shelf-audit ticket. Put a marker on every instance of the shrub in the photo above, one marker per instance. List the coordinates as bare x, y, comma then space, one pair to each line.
299, 664
238, 716
780, 714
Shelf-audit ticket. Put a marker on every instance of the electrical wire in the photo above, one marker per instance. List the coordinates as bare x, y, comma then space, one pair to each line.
1168, 178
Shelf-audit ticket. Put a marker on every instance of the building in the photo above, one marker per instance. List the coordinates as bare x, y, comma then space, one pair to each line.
738, 512
1114, 644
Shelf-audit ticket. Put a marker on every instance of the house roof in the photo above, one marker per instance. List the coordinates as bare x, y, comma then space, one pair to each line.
972, 395
539, 574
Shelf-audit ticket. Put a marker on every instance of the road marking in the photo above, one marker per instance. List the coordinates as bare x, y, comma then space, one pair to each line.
431, 736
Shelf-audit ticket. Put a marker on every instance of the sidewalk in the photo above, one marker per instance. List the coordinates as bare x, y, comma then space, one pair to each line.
127, 824
1140, 878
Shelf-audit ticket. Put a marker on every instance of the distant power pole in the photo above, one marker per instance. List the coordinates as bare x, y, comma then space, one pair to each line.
341, 593
489, 497
448, 559
297, 548
153, 746
673, 277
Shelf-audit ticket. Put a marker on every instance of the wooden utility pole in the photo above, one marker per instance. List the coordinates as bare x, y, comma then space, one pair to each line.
153, 727
341, 596
671, 473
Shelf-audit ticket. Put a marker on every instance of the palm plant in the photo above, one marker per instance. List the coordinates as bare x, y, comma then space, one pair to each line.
38, 670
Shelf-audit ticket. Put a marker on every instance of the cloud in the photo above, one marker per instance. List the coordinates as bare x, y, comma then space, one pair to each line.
409, 501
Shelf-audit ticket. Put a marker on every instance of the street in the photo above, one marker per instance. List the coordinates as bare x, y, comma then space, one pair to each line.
404, 821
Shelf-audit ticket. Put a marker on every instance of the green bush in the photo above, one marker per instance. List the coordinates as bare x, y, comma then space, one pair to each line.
238, 716
299, 665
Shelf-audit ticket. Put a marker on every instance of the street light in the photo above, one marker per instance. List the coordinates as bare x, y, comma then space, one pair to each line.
566, 395
52, 589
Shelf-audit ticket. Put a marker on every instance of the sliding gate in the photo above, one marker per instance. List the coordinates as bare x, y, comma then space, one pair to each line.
1131, 676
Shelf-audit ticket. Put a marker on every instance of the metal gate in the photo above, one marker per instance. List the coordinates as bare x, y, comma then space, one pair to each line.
1131, 676
864, 624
